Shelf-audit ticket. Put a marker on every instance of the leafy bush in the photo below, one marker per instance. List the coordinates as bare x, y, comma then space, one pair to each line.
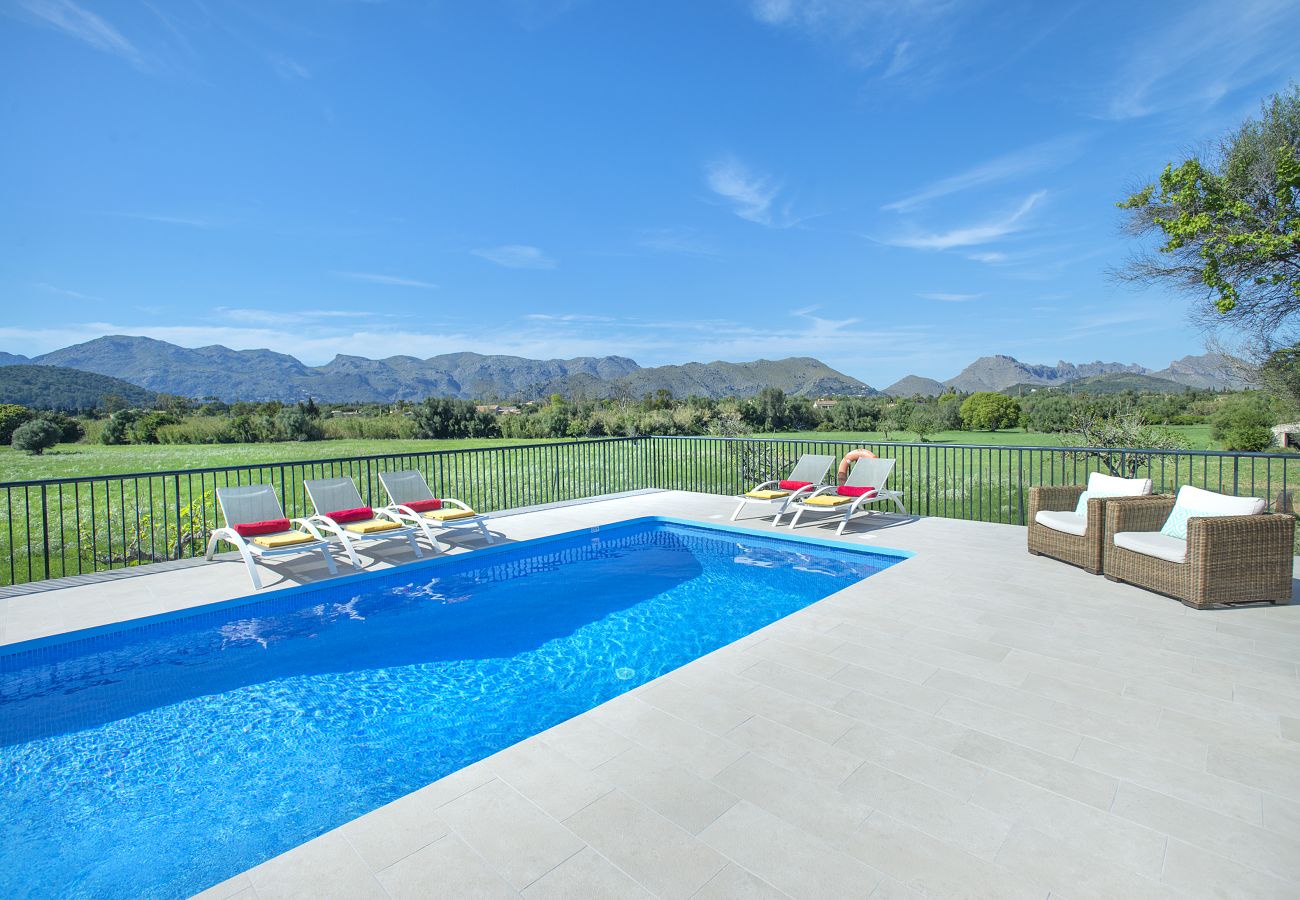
11, 416
36, 436
299, 423
70, 430
439, 417
117, 430
1244, 423
925, 419
989, 411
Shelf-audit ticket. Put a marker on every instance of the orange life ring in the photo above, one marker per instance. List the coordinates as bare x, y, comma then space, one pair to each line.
843, 471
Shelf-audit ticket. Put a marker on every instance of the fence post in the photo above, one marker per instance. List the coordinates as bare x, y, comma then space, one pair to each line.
45, 531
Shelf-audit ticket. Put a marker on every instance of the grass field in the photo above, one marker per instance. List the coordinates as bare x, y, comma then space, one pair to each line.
104, 522
79, 460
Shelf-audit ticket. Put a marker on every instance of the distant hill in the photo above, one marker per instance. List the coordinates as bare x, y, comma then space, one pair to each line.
799, 376
993, 373
11, 359
1110, 383
66, 390
915, 386
218, 371
1208, 371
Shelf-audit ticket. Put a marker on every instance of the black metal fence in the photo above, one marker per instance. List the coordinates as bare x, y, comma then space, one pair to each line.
70, 526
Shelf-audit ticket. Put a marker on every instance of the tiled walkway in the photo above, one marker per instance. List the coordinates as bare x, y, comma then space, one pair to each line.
973, 722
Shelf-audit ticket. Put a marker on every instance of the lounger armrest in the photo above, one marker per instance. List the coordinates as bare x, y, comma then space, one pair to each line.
459, 504
1270, 536
309, 526
1054, 497
1137, 513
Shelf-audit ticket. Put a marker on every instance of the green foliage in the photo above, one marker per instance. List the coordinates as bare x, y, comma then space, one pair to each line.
989, 411
1230, 225
11, 416
1244, 423
300, 423
66, 390
1125, 430
925, 419
36, 436
439, 417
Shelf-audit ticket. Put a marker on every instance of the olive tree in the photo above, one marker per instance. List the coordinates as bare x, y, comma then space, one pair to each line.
1227, 222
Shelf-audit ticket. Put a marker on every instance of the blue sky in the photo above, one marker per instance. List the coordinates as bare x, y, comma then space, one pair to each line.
892, 187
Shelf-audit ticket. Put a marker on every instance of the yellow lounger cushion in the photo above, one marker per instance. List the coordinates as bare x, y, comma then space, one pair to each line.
284, 539
828, 500
446, 515
372, 526
767, 495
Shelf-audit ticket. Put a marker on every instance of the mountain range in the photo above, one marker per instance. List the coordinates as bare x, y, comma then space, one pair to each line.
218, 371
997, 373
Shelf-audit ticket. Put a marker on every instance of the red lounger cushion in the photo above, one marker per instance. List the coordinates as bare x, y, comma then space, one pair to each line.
423, 505
253, 529
793, 485
847, 491
360, 514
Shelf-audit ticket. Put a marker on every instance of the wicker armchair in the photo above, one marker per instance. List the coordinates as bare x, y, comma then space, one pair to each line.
1078, 550
1230, 559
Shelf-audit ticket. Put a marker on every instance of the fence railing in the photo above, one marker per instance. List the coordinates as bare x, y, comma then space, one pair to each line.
69, 526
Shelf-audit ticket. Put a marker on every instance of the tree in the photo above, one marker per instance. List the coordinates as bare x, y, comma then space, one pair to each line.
36, 436
1230, 224
1244, 423
1102, 435
989, 411
299, 423
11, 416
925, 420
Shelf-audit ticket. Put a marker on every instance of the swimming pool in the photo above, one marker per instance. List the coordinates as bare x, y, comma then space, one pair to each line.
158, 759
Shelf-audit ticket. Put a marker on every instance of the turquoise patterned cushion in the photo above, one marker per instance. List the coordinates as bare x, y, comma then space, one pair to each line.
1082, 508
1176, 525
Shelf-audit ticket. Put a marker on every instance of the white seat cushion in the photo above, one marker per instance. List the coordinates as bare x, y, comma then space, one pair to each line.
1100, 485
1062, 521
1153, 543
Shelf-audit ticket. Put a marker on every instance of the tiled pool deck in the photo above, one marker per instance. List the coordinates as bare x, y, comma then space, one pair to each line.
974, 722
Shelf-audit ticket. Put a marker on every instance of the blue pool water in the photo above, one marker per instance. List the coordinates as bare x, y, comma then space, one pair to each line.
157, 760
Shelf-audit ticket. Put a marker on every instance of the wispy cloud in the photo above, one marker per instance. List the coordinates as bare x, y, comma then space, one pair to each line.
991, 257
64, 292
971, 235
379, 278
190, 221
946, 297
516, 256
1027, 161
1207, 53
568, 317
296, 317
752, 195
287, 68
684, 241
85, 26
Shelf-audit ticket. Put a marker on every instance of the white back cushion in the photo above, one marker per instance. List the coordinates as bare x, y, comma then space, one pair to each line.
1100, 485
1208, 503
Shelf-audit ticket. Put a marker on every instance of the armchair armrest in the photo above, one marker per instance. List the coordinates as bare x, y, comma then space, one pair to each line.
1268, 536
1137, 513
1056, 497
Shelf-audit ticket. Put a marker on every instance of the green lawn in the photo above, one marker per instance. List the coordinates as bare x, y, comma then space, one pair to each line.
1195, 437
72, 460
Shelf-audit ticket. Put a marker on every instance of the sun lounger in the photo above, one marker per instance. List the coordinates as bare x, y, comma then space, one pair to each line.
808, 474
865, 485
411, 500
341, 513
257, 527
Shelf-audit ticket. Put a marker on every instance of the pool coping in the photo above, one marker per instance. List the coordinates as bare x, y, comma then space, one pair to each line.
439, 560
